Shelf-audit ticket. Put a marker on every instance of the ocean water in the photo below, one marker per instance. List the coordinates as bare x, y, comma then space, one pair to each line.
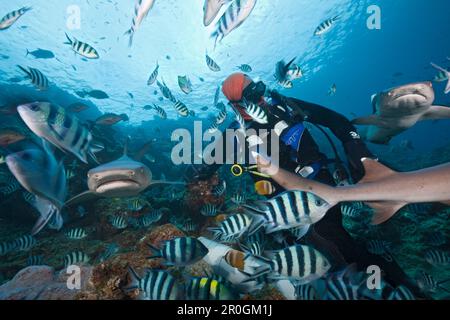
358, 60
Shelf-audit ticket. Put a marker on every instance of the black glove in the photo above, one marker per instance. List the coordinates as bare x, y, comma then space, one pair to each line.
356, 149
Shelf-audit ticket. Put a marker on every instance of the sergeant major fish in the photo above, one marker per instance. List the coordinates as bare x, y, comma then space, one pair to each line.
154, 75
8, 20
233, 17
325, 26
141, 10
37, 78
180, 251
82, 48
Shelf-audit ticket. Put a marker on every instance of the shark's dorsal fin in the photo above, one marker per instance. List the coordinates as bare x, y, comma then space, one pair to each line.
375, 171
125, 146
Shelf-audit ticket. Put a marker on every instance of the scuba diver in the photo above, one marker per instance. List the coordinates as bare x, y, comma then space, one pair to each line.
299, 153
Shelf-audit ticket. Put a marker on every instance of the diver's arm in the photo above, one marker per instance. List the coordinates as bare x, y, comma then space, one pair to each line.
341, 127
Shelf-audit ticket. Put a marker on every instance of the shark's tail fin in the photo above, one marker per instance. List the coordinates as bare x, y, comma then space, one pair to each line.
385, 210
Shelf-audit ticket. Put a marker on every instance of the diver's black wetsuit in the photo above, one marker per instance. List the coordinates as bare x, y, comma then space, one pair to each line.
328, 235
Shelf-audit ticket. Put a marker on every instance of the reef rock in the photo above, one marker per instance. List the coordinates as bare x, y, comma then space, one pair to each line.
43, 283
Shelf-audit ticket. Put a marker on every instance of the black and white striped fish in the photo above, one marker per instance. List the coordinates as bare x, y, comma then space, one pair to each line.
119, 222
401, 293
155, 284
378, 247
75, 258
6, 247
325, 26
10, 188
82, 48
349, 211
180, 251
8, 20
141, 10
232, 228
137, 204
238, 198
60, 128
216, 97
213, 127
207, 289
154, 75
287, 84
189, 226
436, 239
35, 261
181, 109
221, 117
245, 68
294, 72
257, 113
253, 248
300, 264
233, 17
159, 111
220, 189
289, 210
212, 65
209, 210
306, 292
428, 283
165, 91
24, 243
150, 218
76, 234
37, 77
437, 257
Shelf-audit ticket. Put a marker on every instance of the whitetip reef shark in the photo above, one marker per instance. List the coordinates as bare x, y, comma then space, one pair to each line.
400, 108
384, 190
123, 177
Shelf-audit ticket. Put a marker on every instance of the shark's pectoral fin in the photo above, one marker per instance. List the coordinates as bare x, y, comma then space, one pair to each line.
383, 211
168, 182
375, 171
437, 113
373, 119
85, 196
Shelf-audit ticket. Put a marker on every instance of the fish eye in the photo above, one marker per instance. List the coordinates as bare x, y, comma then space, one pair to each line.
319, 202
34, 107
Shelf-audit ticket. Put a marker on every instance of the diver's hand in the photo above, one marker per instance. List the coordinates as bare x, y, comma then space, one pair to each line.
265, 166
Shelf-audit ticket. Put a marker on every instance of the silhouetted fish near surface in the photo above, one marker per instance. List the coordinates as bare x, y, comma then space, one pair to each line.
96, 94
41, 54
110, 119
